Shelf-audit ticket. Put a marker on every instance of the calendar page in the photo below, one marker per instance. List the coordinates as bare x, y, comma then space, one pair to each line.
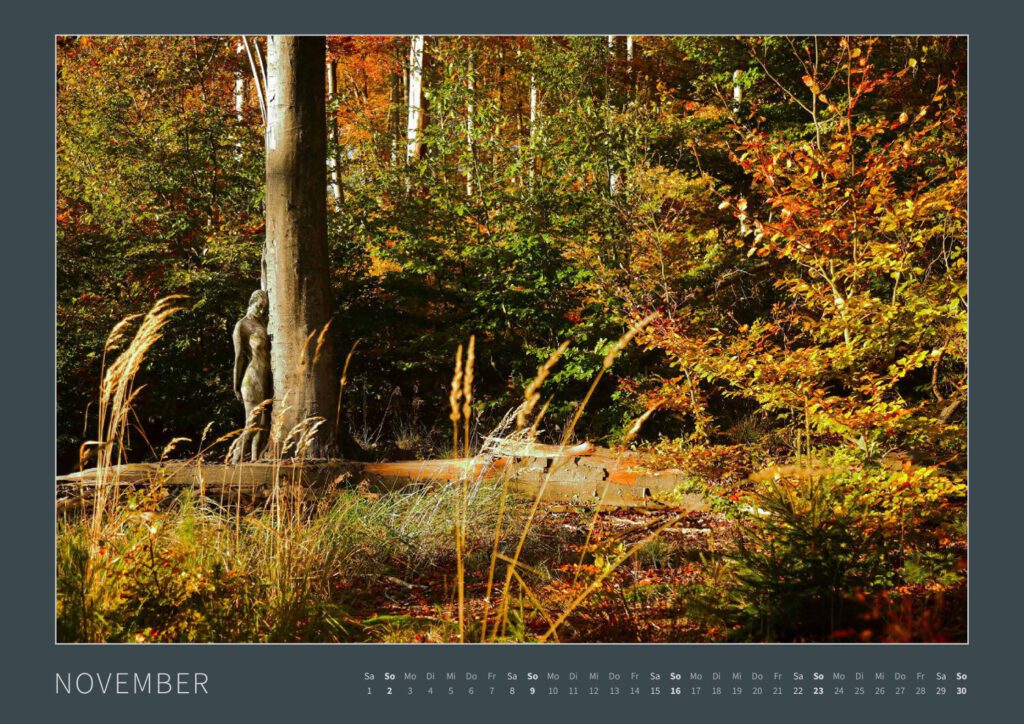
561, 360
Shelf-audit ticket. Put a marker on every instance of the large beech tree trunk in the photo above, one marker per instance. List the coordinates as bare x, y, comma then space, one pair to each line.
296, 258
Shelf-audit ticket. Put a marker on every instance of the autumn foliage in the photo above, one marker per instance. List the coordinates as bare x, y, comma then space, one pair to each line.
789, 216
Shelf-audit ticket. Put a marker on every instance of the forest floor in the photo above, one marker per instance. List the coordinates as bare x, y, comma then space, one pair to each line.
640, 601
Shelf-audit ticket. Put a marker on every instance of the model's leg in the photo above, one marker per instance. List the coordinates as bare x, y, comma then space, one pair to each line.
259, 437
245, 439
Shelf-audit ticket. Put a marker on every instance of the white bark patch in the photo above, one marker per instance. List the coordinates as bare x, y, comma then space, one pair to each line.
273, 112
415, 97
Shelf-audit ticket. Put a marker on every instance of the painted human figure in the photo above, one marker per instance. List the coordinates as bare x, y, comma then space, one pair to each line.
253, 383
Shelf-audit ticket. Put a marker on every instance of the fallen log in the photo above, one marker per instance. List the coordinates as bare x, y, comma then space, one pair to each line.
583, 474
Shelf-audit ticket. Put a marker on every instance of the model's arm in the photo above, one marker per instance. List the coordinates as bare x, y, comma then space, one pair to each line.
240, 359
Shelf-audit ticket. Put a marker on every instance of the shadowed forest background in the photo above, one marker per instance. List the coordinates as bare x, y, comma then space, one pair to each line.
788, 216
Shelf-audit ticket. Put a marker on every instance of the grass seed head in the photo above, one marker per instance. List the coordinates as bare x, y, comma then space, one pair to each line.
456, 394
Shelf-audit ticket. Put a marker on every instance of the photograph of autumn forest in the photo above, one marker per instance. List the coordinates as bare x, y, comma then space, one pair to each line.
511, 339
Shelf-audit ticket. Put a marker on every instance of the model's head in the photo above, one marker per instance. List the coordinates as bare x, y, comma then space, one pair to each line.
259, 304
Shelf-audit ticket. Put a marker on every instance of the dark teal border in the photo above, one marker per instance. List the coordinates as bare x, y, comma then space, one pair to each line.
277, 683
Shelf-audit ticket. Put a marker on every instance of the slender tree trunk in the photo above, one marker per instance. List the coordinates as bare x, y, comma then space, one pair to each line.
613, 175
239, 86
258, 77
533, 107
397, 104
470, 146
334, 157
260, 62
302, 359
239, 101
414, 129
497, 126
630, 70
534, 120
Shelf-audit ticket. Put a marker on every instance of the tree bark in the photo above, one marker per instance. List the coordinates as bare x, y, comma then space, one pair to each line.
534, 119
613, 174
239, 101
470, 149
239, 87
533, 108
414, 140
334, 157
296, 256
397, 103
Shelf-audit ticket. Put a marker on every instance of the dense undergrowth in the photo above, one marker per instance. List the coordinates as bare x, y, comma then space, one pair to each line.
787, 559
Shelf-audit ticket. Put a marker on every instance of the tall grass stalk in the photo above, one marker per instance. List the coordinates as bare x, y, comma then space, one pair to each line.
342, 382
606, 364
454, 398
460, 524
531, 396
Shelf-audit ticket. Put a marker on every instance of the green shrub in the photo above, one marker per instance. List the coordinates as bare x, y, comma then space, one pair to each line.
809, 552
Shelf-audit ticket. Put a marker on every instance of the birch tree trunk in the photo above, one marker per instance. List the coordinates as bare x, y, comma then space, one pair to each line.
500, 92
239, 101
534, 109
630, 70
397, 104
534, 119
239, 86
470, 149
613, 175
334, 157
296, 257
414, 140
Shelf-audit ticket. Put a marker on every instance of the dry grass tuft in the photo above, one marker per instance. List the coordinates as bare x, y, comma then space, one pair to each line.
117, 392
